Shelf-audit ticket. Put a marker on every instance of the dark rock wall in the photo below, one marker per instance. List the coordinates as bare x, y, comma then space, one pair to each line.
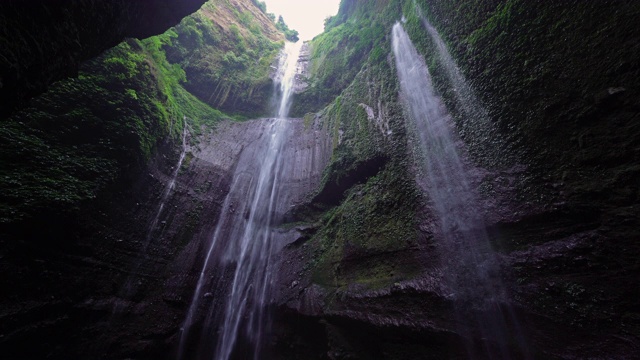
560, 84
84, 169
557, 176
71, 298
359, 271
113, 296
44, 41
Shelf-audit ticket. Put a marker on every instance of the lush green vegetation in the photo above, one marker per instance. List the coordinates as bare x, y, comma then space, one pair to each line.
88, 133
370, 200
180, 102
78, 136
352, 37
290, 34
226, 56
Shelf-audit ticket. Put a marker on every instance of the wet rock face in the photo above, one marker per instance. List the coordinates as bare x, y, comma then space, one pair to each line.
87, 312
302, 76
567, 242
360, 274
44, 41
560, 206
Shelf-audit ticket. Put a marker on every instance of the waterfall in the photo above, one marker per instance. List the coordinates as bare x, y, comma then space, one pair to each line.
465, 96
169, 187
241, 248
469, 264
477, 119
129, 287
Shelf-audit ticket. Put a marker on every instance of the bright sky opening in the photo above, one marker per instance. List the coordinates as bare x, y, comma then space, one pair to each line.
306, 16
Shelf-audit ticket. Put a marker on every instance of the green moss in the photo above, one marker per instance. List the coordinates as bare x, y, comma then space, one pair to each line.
226, 65
357, 239
82, 134
338, 54
364, 240
308, 120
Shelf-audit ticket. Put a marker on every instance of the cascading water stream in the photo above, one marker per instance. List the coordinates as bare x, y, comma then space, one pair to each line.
168, 188
129, 286
467, 101
464, 94
469, 264
242, 243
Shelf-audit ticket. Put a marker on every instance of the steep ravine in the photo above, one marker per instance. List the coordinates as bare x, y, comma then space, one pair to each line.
555, 214
553, 158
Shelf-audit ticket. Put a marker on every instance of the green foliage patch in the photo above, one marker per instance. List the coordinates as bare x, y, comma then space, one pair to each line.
339, 53
82, 134
88, 133
289, 34
228, 66
374, 222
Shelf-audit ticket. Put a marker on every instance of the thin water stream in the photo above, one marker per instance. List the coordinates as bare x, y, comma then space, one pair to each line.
470, 266
465, 96
477, 119
130, 285
168, 188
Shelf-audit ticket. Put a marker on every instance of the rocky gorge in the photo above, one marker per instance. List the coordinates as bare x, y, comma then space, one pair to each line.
116, 181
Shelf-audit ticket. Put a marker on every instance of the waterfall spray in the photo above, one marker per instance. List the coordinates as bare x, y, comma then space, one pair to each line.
477, 119
469, 264
242, 240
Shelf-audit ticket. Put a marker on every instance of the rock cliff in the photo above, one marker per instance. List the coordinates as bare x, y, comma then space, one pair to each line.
374, 287
542, 96
45, 41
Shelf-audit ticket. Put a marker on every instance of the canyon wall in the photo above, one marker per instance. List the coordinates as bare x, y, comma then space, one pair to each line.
90, 223
101, 253
552, 137
45, 41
